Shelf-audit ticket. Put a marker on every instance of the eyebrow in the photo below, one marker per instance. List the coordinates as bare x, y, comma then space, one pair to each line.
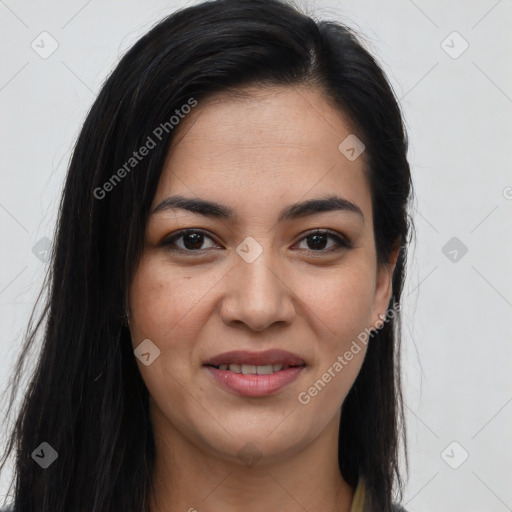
292, 211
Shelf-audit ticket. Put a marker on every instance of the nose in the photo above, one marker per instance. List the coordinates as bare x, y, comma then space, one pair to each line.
258, 294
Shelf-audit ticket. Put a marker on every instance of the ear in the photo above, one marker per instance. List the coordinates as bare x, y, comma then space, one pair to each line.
383, 289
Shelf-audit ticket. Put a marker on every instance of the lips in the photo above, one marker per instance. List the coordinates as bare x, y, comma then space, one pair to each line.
255, 374
266, 358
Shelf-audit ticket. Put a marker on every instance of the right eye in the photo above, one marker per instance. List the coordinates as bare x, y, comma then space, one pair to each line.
192, 240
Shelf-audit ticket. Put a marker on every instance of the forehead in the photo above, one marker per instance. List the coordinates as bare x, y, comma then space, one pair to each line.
252, 119
277, 143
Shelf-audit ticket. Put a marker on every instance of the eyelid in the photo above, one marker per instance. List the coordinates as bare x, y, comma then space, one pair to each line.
170, 239
342, 241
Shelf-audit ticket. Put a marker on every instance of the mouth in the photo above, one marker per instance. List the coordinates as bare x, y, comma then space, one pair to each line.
251, 369
255, 374
248, 359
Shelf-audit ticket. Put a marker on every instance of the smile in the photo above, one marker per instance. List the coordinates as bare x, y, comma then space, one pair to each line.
254, 374
251, 369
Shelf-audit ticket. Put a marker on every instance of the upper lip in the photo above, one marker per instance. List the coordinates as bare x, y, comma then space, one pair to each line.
264, 358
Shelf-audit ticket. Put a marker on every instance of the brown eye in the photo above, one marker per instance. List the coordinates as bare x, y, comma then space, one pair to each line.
318, 240
193, 241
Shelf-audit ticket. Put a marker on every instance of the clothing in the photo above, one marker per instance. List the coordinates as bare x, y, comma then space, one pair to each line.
359, 497
358, 502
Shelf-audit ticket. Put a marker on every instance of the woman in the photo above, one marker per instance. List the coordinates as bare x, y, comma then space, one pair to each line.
222, 328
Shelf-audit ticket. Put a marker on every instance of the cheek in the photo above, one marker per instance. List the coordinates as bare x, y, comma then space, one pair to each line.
342, 302
325, 392
163, 303
159, 304
164, 308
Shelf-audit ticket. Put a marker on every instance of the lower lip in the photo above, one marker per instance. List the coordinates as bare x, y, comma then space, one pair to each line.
254, 385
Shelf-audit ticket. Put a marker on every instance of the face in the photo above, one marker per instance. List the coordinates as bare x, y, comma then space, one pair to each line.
256, 284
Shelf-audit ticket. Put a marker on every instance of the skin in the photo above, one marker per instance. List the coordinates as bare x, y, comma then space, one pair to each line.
256, 154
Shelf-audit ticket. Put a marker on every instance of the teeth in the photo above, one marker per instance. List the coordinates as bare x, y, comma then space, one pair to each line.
236, 368
251, 369
264, 370
248, 369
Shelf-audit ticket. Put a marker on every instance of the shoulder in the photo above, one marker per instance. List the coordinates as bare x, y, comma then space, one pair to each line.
398, 508
8, 508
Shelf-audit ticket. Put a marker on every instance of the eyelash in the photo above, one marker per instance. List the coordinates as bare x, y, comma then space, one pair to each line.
342, 243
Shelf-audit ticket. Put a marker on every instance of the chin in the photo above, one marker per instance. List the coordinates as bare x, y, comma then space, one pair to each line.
247, 440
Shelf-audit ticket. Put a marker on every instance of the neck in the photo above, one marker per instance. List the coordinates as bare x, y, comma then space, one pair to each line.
194, 479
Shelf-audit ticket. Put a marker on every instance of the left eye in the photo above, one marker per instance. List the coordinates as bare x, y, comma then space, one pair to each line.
320, 237
194, 239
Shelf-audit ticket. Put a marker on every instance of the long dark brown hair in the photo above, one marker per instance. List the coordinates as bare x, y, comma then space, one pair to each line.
86, 397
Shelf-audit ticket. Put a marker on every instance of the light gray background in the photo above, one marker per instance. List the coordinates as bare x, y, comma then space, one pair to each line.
457, 336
